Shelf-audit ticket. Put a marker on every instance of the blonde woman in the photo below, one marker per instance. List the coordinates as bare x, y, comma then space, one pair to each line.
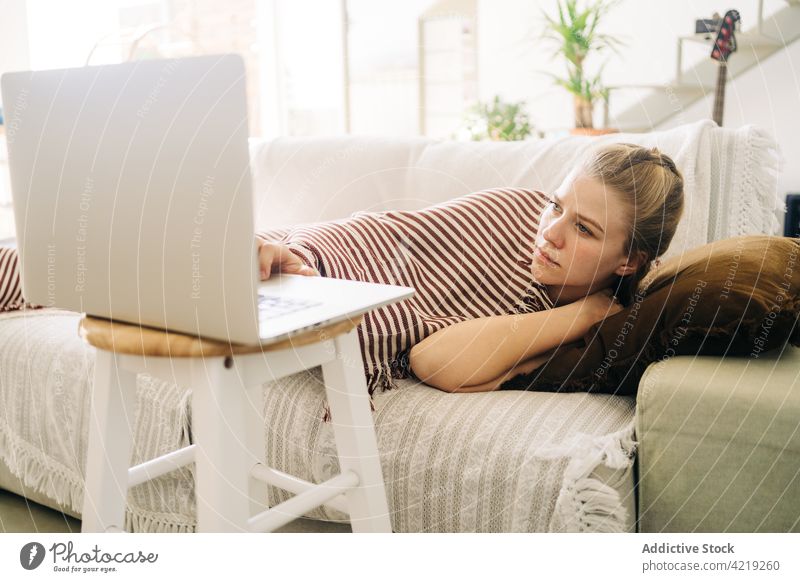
590, 243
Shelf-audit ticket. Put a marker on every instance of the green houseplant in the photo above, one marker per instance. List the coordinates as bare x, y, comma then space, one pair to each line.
497, 121
574, 34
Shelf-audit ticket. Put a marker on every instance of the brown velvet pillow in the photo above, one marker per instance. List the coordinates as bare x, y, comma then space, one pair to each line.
734, 297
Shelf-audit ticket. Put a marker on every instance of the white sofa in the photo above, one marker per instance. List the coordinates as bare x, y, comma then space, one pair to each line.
502, 461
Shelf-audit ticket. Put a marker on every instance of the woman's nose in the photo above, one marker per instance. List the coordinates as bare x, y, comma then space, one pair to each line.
553, 234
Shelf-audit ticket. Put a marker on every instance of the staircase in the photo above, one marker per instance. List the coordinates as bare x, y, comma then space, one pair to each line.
659, 102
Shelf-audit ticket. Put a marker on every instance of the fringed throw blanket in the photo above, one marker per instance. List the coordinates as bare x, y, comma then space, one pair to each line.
468, 257
510, 461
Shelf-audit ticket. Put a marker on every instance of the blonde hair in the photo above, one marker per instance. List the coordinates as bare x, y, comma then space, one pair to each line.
652, 187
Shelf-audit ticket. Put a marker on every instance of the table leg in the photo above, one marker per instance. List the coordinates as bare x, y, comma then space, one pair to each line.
222, 461
255, 427
354, 430
110, 440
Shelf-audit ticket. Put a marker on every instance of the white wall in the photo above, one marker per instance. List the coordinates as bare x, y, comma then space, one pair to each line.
511, 61
13, 36
62, 34
13, 57
767, 95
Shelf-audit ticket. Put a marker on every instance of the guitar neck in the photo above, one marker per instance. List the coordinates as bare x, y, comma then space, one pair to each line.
719, 94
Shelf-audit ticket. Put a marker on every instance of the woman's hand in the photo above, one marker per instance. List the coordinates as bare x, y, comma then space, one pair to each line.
277, 258
598, 306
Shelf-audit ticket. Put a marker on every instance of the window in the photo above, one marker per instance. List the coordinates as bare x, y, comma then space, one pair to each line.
340, 66
301, 49
449, 83
314, 67
384, 66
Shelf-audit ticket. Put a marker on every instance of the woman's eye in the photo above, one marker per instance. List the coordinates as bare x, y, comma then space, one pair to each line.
582, 228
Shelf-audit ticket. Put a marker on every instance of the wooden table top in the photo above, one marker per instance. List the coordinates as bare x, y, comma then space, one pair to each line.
126, 338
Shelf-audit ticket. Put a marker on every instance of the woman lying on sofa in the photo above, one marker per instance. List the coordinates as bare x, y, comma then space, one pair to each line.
580, 253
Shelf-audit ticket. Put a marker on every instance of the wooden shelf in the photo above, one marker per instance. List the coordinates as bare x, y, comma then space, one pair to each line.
683, 87
743, 40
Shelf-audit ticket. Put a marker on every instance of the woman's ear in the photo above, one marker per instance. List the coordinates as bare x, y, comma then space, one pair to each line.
633, 263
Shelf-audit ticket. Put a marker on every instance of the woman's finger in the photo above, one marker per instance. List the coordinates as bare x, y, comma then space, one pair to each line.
277, 258
291, 263
265, 256
288, 262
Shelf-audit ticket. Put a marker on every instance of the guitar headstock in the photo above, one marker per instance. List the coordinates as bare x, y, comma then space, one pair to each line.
725, 42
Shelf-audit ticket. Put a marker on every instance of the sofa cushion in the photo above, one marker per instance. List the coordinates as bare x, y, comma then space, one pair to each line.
735, 297
720, 444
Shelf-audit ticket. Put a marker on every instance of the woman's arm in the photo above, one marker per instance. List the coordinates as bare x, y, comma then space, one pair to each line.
478, 351
525, 367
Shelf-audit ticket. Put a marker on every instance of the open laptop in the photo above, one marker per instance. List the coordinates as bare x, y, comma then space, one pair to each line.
133, 201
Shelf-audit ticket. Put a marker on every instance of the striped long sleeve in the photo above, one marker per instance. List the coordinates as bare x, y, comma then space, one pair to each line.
468, 257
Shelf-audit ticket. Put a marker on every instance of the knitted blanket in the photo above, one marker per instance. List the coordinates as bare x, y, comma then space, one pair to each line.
510, 461
467, 258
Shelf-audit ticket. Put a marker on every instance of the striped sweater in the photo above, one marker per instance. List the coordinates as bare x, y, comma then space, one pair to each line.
11, 298
466, 258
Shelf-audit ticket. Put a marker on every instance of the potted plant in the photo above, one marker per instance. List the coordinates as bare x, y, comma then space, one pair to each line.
496, 121
575, 35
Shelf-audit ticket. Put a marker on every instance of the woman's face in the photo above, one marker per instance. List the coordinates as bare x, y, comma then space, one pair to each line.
583, 230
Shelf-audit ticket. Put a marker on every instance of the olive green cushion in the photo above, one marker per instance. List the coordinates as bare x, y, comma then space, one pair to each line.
719, 445
734, 297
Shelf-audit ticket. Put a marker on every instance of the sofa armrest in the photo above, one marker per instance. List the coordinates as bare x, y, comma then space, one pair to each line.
719, 444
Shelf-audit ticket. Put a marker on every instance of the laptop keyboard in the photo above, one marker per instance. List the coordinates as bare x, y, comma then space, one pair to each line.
274, 305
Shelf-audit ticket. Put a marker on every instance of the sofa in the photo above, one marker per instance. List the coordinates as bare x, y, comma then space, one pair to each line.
708, 443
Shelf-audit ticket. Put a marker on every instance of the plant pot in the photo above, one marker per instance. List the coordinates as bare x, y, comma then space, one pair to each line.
592, 130
583, 111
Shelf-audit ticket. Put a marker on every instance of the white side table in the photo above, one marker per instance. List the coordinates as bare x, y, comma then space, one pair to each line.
228, 429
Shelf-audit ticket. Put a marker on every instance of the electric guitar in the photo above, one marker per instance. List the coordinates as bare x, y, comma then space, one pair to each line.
724, 45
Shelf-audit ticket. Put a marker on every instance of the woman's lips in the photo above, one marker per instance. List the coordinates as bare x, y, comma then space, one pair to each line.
544, 257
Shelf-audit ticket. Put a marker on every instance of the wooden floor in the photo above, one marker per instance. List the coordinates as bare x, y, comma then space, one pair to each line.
18, 515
